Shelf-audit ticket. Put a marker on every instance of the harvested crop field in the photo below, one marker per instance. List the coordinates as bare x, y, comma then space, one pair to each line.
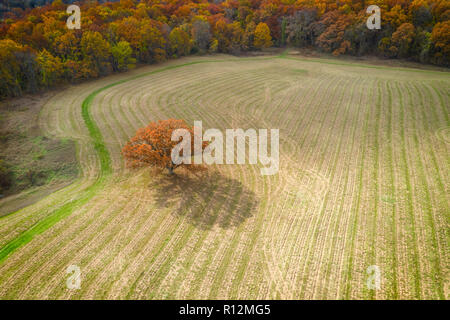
363, 180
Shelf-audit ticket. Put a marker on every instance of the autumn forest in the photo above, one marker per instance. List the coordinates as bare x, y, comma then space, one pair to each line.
38, 51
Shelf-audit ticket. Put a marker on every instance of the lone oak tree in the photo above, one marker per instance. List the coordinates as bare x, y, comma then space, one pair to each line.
152, 146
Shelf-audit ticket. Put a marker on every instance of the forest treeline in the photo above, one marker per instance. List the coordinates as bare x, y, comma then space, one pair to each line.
37, 50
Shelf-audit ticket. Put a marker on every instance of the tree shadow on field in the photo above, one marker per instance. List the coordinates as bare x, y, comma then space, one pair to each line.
206, 200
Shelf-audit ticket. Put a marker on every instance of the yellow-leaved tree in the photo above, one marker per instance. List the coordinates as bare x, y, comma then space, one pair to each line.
263, 38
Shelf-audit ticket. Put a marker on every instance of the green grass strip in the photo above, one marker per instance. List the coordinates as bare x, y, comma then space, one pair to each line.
87, 194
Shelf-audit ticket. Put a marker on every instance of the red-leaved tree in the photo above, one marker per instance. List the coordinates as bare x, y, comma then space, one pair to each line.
152, 146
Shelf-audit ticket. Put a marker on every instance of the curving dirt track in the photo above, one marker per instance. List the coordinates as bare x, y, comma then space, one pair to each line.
364, 180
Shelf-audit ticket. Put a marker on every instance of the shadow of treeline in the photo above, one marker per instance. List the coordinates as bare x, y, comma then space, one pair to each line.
206, 199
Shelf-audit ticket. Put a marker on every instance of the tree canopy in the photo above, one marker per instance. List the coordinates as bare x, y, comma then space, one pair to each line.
152, 146
37, 50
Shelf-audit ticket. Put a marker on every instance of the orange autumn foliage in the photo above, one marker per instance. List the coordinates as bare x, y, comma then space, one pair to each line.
152, 146
157, 30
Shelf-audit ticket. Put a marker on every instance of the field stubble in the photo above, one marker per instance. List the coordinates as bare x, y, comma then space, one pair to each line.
363, 181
